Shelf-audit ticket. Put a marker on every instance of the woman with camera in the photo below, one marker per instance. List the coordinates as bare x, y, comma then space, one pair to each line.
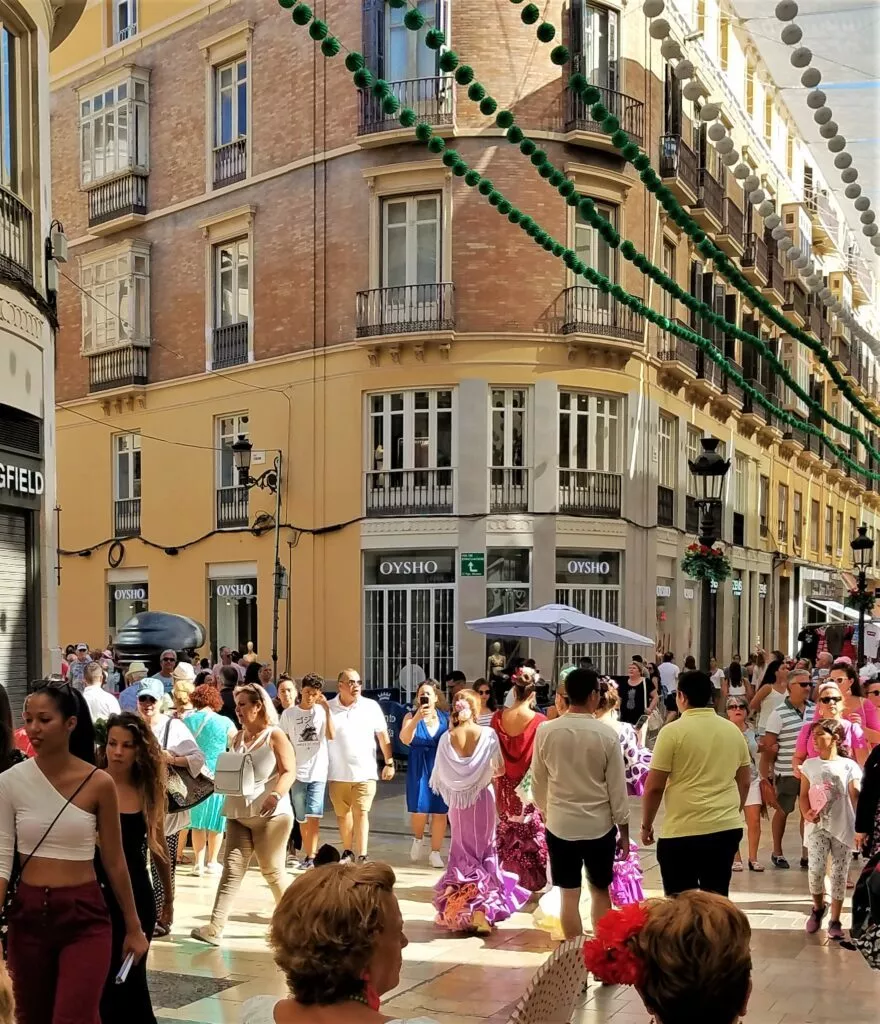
421, 731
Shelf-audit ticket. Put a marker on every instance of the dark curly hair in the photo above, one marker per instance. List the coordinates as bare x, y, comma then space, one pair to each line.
324, 930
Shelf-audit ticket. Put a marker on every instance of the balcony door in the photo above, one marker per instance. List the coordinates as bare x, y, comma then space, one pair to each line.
410, 457
594, 41
407, 58
411, 259
596, 307
509, 481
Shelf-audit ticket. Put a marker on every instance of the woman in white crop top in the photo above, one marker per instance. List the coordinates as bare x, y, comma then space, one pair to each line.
259, 824
53, 808
337, 937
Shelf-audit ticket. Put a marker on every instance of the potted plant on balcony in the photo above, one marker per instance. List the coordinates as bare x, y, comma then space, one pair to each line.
701, 562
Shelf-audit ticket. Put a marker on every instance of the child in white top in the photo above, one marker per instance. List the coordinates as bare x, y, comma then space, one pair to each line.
829, 790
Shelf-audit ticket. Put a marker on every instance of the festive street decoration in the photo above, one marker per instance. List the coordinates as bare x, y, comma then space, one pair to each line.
704, 563
860, 602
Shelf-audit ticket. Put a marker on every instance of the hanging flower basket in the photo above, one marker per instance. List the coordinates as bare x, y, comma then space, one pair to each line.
860, 602
704, 563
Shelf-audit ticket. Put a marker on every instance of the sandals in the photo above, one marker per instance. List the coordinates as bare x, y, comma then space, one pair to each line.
755, 865
738, 865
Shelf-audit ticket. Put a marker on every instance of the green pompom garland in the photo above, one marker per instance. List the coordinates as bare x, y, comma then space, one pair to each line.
464, 74
545, 32
560, 55
476, 92
407, 117
414, 19
301, 14
318, 30
448, 61
530, 14
363, 78
331, 46
434, 38
354, 61
286, 4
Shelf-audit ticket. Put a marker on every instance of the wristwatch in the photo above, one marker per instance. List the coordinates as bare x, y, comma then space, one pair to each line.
389, 764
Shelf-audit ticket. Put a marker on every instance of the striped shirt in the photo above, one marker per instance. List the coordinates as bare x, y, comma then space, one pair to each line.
785, 723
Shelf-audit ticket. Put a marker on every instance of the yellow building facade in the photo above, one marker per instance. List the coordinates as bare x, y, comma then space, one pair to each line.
463, 429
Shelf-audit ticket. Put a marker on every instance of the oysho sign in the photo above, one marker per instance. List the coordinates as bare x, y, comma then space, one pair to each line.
235, 590
428, 567
130, 594
18, 480
583, 568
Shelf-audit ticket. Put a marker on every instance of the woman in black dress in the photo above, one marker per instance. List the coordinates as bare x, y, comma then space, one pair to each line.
136, 765
638, 694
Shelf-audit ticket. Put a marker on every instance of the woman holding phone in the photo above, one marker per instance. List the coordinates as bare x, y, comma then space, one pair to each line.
421, 731
54, 810
135, 763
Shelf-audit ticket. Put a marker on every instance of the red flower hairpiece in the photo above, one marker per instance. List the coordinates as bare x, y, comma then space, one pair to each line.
607, 956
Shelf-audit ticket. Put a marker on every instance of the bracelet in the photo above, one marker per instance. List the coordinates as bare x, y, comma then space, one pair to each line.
389, 764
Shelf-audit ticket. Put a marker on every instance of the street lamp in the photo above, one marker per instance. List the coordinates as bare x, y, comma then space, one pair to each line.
710, 469
862, 548
270, 480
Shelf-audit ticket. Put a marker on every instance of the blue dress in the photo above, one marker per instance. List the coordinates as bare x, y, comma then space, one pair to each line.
211, 732
420, 798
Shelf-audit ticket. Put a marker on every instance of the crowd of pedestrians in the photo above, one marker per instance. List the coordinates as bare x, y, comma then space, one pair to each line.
533, 801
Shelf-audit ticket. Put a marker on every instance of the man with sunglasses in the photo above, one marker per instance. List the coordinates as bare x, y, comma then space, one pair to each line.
777, 758
165, 675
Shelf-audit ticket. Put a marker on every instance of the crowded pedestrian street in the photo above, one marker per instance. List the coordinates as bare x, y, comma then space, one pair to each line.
797, 978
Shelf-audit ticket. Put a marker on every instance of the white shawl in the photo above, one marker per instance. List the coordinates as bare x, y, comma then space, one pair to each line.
460, 780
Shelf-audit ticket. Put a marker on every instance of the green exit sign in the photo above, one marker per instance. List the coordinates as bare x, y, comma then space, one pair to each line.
473, 563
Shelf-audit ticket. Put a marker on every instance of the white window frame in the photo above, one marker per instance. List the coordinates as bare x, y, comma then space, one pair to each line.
12, 56
105, 104
383, 462
782, 511
669, 258
667, 465
234, 247
415, 41
120, 34
740, 482
132, 455
227, 429
797, 519
692, 453
109, 309
411, 230
764, 501
605, 412
589, 244
583, 48
502, 402
829, 529
234, 64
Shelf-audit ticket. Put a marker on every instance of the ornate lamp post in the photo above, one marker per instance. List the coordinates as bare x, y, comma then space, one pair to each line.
862, 549
270, 480
710, 469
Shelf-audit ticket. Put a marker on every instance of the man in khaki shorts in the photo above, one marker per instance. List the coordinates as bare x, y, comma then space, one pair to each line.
358, 722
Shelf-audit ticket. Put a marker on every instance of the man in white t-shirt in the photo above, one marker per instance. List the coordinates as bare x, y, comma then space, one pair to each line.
101, 704
668, 672
309, 726
358, 722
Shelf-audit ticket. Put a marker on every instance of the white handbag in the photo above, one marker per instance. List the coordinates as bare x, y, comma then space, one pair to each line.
234, 775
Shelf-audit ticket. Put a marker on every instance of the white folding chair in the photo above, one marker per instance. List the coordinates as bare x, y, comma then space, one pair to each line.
554, 991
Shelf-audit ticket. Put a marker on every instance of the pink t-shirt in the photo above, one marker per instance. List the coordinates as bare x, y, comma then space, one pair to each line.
855, 738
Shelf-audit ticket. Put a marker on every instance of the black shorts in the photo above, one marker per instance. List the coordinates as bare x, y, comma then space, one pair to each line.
669, 702
569, 857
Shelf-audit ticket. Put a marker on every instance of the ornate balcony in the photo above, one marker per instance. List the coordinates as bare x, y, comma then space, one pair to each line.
230, 163
627, 109
16, 238
122, 201
678, 168
679, 359
774, 290
508, 489
118, 368
795, 301
731, 238
753, 412
592, 312
431, 99
409, 492
755, 260
230, 345
583, 492
708, 210
405, 309
127, 517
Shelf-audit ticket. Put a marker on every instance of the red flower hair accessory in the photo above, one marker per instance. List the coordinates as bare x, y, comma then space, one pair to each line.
607, 956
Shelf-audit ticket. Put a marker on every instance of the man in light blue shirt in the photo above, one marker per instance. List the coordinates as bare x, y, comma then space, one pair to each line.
165, 675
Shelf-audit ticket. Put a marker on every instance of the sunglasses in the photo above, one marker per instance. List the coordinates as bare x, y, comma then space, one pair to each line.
804, 686
830, 700
737, 707
169, 659
482, 693
873, 693
146, 697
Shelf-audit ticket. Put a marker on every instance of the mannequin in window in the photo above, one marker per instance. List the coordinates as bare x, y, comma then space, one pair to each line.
495, 668
250, 655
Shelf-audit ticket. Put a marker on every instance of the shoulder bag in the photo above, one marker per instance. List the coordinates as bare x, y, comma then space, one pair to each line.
18, 871
234, 774
184, 791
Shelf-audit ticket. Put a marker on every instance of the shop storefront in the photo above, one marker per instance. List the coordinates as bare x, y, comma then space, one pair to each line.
590, 582
663, 634
736, 592
233, 613
409, 617
22, 485
125, 600
508, 590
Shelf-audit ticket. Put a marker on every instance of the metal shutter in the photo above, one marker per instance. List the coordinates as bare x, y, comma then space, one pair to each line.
13, 609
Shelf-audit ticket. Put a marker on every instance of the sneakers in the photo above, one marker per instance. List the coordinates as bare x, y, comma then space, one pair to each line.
416, 850
362, 859
197, 869
347, 857
814, 921
207, 933
306, 863
779, 861
214, 867
835, 930
435, 860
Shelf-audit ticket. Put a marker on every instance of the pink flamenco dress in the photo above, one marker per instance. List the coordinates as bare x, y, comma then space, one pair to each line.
473, 881
522, 845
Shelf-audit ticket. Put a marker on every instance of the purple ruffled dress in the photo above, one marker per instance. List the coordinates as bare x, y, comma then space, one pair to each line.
473, 880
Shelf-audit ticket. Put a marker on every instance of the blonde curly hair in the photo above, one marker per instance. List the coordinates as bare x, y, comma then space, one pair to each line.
325, 928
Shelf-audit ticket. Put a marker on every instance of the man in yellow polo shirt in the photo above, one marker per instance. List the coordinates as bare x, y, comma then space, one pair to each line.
702, 764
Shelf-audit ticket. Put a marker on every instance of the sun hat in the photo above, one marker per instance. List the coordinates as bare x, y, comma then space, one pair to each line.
135, 668
184, 671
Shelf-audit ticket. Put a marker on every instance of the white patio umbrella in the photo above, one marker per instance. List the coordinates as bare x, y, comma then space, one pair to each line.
560, 623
